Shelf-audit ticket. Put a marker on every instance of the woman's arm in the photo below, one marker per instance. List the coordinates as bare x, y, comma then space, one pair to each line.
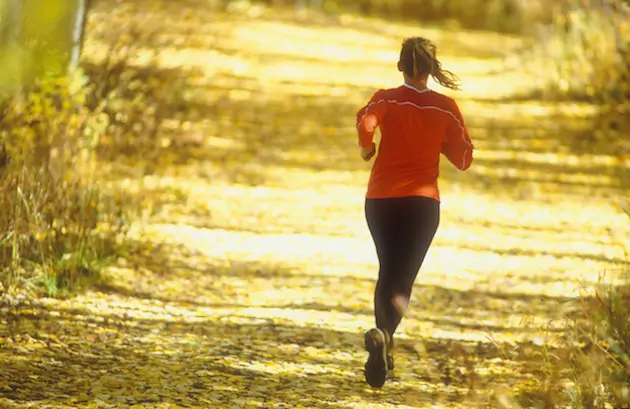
457, 146
369, 118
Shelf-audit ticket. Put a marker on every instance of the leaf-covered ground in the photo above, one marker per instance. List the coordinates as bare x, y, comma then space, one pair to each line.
250, 275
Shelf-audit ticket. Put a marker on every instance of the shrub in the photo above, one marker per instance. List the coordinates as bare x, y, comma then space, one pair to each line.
55, 227
584, 54
511, 16
601, 355
64, 217
143, 100
592, 370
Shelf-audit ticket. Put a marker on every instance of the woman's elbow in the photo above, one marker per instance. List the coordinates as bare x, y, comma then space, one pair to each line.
464, 165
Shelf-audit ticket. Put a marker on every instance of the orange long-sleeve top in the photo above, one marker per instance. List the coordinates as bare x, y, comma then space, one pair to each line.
416, 127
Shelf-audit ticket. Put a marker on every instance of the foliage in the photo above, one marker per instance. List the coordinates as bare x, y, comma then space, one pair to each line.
601, 348
584, 55
52, 232
509, 16
143, 101
36, 39
592, 368
601, 371
65, 138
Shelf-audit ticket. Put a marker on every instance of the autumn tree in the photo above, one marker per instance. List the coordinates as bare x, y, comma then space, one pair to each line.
39, 37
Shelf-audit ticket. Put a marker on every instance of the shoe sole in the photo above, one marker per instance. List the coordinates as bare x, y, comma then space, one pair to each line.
376, 366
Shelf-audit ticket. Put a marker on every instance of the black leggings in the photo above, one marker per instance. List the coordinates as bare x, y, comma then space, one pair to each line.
402, 229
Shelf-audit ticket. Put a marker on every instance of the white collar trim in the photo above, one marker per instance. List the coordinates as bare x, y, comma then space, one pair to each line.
420, 91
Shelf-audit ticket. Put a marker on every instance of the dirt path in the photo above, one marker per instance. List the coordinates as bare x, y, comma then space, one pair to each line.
252, 279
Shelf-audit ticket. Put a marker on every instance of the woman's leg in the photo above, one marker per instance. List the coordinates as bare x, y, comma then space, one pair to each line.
422, 218
384, 224
402, 229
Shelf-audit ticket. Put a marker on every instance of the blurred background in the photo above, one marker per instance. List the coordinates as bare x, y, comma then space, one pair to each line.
573, 54
150, 143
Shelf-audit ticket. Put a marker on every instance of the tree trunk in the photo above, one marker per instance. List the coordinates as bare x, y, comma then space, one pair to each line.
51, 35
10, 23
78, 32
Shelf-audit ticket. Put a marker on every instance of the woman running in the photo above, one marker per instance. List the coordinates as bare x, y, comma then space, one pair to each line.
402, 205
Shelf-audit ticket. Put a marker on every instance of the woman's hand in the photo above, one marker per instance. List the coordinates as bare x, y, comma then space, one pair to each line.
368, 153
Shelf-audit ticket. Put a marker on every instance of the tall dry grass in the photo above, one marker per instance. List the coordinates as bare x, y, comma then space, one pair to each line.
56, 228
